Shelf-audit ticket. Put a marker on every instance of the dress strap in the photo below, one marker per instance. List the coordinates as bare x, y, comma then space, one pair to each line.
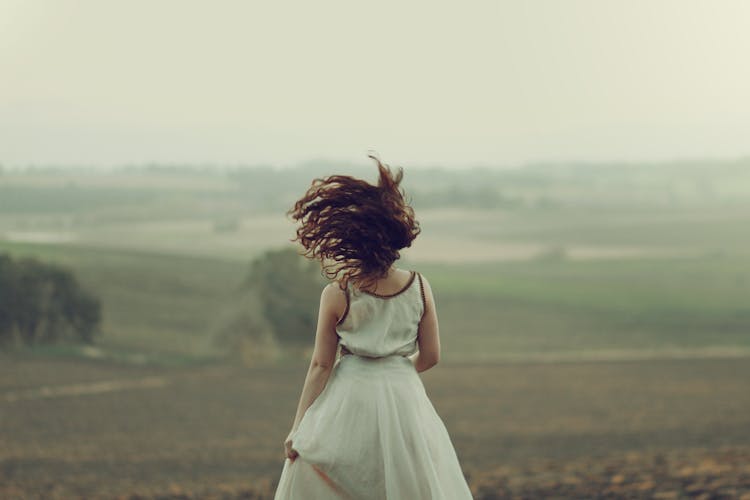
421, 291
346, 311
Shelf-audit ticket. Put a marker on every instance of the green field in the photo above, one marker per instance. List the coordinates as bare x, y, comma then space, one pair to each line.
539, 263
488, 311
151, 302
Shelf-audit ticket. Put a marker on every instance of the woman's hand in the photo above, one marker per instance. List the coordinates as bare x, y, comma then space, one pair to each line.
290, 453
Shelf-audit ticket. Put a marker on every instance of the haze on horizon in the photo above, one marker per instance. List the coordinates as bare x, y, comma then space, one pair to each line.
456, 84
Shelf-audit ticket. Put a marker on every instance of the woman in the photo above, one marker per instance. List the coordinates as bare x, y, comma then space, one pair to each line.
365, 428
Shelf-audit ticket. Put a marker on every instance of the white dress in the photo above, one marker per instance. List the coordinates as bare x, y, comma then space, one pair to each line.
373, 433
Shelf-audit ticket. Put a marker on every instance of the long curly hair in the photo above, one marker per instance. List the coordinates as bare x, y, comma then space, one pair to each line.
355, 229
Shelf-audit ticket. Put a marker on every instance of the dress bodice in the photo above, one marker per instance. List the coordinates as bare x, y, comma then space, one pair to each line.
372, 433
377, 325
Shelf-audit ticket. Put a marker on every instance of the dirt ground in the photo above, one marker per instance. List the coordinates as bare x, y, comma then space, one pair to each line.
625, 429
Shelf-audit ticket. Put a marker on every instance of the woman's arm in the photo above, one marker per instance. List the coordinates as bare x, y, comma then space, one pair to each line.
428, 335
332, 306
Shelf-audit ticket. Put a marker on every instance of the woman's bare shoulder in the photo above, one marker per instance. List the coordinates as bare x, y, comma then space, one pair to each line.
332, 291
423, 278
334, 300
427, 289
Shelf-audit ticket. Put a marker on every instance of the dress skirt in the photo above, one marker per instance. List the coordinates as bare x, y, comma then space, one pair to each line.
372, 433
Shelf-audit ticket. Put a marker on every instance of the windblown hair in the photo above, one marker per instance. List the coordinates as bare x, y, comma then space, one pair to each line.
355, 229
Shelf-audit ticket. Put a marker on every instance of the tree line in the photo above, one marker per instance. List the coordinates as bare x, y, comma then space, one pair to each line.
44, 303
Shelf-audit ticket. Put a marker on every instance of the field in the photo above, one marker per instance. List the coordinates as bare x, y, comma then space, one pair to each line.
614, 308
594, 322
619, 429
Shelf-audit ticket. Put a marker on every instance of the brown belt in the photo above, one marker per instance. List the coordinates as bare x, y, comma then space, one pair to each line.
345, 351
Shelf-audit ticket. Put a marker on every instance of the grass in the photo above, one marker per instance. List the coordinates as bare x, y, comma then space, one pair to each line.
146, 243
160, 303
152, 302
522, 307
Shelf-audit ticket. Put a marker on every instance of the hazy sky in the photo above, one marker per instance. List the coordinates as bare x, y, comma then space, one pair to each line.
449, 83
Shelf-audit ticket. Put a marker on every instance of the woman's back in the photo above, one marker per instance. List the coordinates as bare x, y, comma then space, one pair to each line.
373, 433
365, 428
379, 324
